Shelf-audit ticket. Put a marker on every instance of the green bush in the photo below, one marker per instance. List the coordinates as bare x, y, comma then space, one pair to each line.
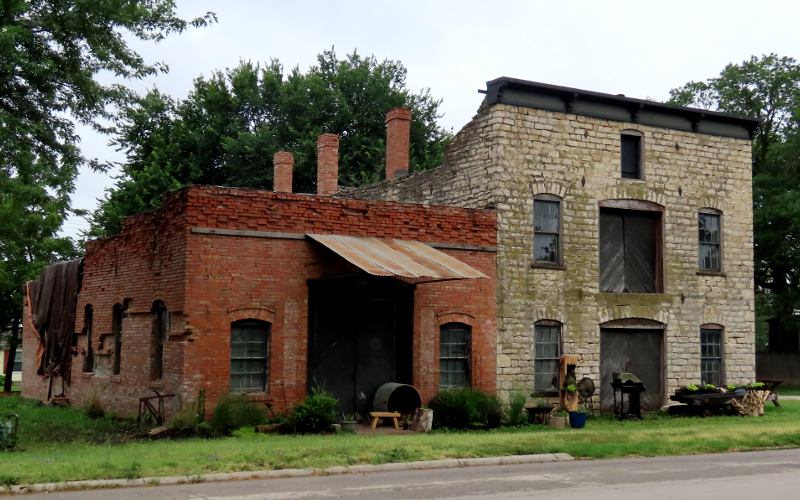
233, 412
94, 409
516, 414
316, 412
186, 420
466, 408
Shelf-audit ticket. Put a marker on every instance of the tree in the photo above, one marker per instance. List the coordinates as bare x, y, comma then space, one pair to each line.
52, 54
226, 131
768, 88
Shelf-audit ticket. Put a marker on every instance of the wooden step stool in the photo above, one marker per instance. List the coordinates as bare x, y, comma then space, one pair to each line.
376, 415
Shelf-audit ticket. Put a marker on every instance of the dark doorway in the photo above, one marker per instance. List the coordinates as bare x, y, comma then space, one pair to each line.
360, 336
635, 351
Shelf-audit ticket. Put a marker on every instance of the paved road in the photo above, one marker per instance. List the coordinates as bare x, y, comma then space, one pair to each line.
751, 476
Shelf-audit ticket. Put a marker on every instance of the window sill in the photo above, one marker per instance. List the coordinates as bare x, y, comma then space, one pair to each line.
87, 374
548, 265
702, 272
115, 378
156, 384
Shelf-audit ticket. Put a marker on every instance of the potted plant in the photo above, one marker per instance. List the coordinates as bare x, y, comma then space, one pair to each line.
557, 419
349, 422
577, 418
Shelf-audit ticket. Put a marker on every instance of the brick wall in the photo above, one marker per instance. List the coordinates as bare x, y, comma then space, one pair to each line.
508, 154
233, 277
145, 263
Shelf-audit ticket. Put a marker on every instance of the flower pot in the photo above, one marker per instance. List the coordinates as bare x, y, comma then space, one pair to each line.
577, 419
349, 426
557, 422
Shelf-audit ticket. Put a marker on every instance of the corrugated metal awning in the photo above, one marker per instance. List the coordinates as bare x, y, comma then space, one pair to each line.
412, 260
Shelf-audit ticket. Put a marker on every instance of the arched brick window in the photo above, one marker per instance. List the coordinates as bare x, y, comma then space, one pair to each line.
454, 355
158, 336
88, 321
250, 356
116, 330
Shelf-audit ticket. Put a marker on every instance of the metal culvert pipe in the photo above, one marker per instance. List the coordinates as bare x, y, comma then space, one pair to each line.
393, 396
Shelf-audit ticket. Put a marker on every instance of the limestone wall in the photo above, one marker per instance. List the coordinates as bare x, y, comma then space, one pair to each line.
508, 154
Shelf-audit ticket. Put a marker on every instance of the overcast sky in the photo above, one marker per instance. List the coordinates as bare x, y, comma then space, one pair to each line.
637, 48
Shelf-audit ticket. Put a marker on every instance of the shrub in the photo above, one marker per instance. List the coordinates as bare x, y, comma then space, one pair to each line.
466, 408
233, 412
94, 409
186, 420
516, 414
316, 412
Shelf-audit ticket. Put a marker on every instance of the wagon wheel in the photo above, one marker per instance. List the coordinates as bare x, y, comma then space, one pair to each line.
585, 392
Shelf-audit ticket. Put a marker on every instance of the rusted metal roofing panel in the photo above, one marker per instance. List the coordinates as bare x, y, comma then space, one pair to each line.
403, 258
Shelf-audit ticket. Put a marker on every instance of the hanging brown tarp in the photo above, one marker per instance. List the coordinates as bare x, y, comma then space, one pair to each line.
52, 300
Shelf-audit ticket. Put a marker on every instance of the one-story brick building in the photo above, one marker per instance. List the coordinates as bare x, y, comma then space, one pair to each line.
270, 293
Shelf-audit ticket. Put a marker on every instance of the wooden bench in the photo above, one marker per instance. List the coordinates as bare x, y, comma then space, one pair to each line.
377, 415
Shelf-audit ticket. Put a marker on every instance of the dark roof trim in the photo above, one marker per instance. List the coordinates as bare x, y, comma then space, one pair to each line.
537, 95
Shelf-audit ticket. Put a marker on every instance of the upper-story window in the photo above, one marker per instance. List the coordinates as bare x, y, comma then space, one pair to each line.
709, 237
547, 230
630, 246
631, 154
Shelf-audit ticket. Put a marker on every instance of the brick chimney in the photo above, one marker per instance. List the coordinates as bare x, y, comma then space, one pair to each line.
283, 162
398, 129
327, 164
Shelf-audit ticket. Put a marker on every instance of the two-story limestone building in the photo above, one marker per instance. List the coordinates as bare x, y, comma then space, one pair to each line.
624, 234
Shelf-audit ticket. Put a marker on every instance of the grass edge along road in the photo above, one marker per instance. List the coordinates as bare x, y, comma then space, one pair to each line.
59, 444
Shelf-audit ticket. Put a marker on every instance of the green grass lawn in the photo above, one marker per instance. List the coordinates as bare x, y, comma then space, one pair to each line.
789, 390
57, 444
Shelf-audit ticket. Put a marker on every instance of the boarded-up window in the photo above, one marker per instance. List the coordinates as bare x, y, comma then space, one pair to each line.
88, 324
709, 237
546, 351
249, 356
631, 146
116, 330
546, 229
629, 255
158, 336
454, 349
711, 355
